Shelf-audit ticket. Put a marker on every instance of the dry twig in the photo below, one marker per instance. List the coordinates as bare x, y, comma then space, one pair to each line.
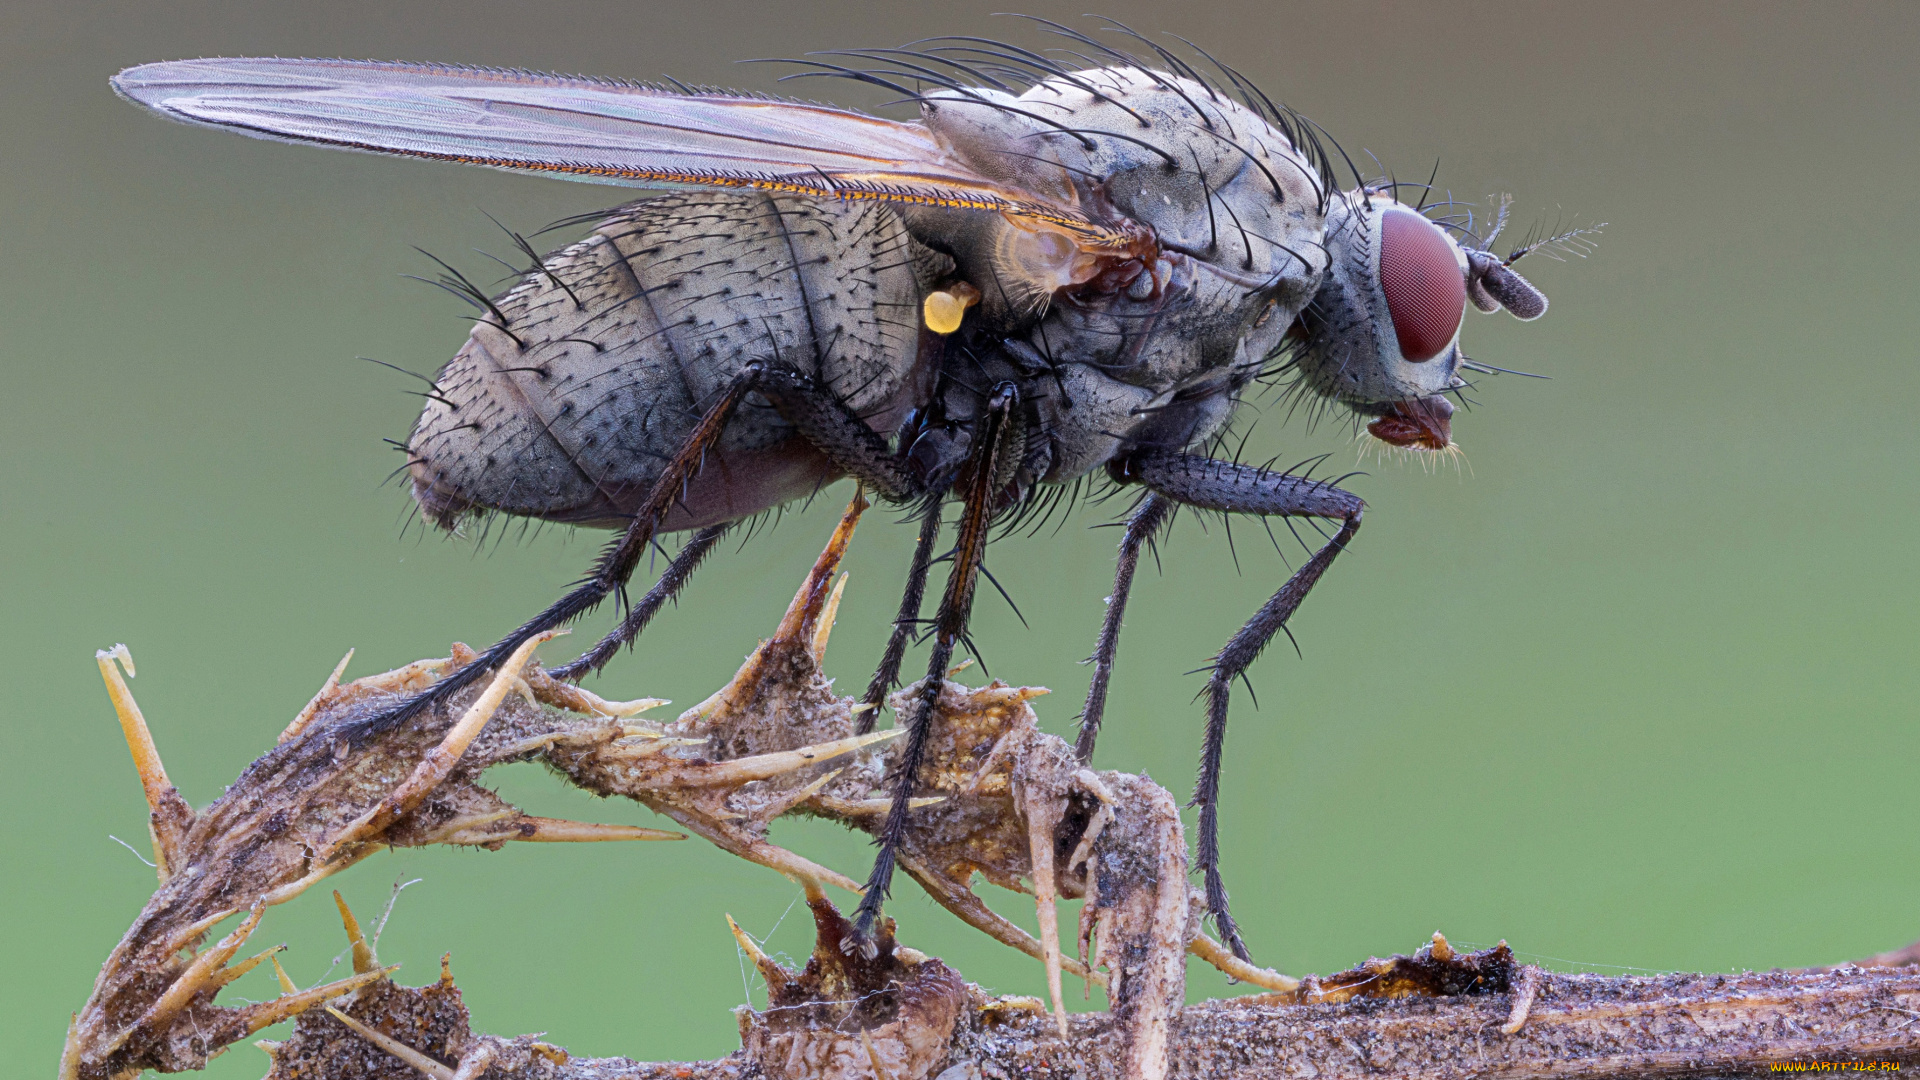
1000, 799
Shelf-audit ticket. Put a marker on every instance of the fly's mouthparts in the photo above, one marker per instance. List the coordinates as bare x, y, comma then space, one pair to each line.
1420, 424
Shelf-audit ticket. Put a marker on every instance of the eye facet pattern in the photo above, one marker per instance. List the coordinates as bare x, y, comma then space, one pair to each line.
1425, 287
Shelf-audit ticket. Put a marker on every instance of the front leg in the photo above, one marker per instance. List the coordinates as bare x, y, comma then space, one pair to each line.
1209, 484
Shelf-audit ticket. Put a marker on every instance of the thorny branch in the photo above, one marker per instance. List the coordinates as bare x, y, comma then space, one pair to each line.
999, 799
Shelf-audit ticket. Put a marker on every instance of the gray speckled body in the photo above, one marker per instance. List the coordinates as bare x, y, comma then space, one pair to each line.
569, 412
661, 306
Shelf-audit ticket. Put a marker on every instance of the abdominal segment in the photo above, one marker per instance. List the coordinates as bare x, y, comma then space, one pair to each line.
579, 384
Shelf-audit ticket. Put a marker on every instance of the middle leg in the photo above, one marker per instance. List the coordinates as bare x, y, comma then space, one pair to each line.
1147, 518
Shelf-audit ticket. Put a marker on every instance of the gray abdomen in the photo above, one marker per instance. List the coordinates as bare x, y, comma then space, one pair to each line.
613, 350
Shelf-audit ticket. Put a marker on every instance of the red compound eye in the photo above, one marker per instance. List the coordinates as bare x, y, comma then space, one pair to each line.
1426, 289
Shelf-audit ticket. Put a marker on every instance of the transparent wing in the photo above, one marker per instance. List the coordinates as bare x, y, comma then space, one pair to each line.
582, 129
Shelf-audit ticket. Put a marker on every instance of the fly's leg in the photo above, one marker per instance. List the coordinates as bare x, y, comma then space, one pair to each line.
1232, 488
856, 449
888, 675
822, 419
1146, 520
675, 578
950, 628
834, 429
615, 566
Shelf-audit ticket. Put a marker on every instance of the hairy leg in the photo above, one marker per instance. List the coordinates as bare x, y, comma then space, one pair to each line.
1146, 520
1210, 484
949, 628
821, 418
672, 580
887, 676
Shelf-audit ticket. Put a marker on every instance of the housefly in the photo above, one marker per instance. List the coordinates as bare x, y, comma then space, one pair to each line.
1059, 271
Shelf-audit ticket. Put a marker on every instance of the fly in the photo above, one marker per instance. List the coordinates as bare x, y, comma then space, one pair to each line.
1059, 271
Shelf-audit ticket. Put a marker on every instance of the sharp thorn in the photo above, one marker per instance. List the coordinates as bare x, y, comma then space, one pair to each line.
198, 976
804, 615
327, 688
768, 967
828, 613
419, 1061
268, 1013
162, 799
439, 761
363, 958
280, 973
248, 964
765, 766
872, 807
1232, 966
186, 935
546, 830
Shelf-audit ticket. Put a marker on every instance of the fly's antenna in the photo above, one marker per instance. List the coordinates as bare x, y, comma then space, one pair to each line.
1502, 207
1572, 242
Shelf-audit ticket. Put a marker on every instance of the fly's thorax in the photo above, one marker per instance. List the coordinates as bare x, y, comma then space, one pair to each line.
1205, 176
565, 404
1157, 353
1385, 324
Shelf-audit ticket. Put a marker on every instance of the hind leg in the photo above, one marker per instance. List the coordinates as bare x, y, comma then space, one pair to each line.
821, 418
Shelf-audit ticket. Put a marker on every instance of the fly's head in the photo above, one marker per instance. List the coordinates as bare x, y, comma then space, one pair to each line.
1382, 335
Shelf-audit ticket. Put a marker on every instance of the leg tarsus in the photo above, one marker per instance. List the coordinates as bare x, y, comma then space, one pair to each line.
667, 588
612, 570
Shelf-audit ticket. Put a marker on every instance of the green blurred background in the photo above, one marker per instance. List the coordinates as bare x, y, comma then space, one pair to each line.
1635, 692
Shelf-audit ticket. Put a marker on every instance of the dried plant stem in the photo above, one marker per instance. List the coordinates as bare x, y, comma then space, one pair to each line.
1000, 801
